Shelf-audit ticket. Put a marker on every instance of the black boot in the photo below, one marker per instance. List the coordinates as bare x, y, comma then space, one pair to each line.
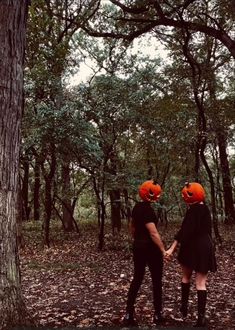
158, 319
201, 301
185, 287
129, 320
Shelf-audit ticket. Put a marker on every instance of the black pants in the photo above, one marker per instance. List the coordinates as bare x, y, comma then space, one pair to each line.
151, 256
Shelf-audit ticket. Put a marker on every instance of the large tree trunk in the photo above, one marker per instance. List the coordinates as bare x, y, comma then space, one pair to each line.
12, 42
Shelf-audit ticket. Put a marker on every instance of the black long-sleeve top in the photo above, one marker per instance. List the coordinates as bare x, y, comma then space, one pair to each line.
196, 223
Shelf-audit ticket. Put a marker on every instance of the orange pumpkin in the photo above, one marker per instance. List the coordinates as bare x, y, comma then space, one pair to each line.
193, 192
150, 191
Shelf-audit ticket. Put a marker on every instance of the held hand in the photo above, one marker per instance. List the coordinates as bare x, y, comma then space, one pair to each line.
167, 256
169, 252
172, 248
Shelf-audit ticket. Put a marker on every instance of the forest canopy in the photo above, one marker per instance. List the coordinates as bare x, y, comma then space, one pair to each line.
138, 115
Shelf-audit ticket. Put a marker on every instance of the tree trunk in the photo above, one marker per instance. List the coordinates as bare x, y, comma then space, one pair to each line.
19, 220
127, 206
12, 42
115, 211
36, 190
197, 83
102, 221
25, 190
197, 158
101, 211
98, 213
67, 209
213, 199
47, 210
219, 197
48, 203
226, 179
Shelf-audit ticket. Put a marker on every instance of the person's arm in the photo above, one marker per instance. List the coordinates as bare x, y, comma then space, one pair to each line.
154, 234
187, 231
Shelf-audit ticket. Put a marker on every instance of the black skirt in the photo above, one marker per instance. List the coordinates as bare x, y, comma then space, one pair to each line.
198, 254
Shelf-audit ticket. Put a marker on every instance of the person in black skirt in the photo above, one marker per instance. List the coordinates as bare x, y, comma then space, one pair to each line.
196, 252
148, 249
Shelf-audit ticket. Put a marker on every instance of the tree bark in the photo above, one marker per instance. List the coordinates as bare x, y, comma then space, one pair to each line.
12, 43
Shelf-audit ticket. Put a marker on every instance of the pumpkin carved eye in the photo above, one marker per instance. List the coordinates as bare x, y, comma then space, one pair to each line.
190, 193
151, 193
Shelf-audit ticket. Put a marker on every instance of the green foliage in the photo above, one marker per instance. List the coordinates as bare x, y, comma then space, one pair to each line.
137, 117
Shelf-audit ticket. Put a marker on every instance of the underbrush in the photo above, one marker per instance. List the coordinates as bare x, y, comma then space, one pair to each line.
32, 234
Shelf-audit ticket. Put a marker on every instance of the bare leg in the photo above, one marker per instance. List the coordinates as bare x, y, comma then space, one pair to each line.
201, 281
187, 273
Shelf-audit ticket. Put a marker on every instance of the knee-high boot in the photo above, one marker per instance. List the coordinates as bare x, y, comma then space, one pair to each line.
185, 288
129, 318
201, 296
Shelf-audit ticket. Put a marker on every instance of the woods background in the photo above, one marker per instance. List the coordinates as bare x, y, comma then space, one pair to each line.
85, 148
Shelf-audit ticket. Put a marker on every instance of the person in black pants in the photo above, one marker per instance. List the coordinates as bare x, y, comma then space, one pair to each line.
196, 252
148, 249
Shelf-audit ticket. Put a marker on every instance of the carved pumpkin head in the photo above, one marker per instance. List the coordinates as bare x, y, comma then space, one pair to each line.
193, 192
150, 191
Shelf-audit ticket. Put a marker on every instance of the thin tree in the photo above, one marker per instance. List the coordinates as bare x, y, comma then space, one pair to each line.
197, 79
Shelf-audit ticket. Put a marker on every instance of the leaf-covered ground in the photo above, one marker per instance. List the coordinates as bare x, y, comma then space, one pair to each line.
71, 284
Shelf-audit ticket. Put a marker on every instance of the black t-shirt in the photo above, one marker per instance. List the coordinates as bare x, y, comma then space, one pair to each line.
142, 214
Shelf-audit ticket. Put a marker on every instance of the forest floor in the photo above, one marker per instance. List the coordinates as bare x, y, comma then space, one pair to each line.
71, 284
